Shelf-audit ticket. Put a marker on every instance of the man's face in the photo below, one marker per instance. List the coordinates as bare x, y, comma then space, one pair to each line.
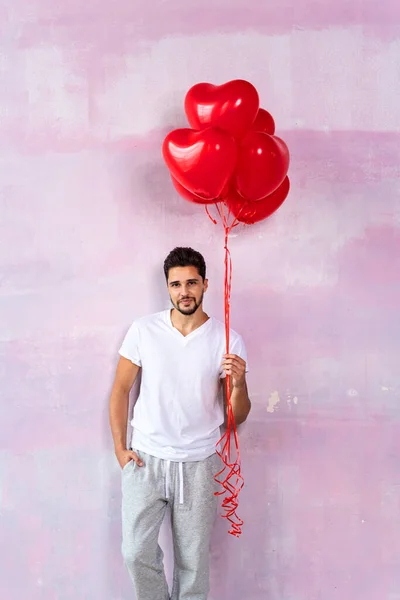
186, 289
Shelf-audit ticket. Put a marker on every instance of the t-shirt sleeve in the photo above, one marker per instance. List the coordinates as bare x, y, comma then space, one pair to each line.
130, 348
237, 346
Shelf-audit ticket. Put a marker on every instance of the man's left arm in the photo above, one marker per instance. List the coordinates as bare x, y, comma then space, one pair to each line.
235, 368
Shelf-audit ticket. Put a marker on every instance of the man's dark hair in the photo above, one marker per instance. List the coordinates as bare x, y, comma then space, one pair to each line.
185, 257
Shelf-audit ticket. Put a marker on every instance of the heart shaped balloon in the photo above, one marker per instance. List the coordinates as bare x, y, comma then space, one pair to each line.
252, 212
263, 163
187, 195
264, 122
201, 161
232, 106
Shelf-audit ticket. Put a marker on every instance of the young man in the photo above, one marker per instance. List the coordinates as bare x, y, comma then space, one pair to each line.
176, 426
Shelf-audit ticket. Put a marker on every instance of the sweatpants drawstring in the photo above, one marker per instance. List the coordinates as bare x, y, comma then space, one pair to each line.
168, 477
180, 483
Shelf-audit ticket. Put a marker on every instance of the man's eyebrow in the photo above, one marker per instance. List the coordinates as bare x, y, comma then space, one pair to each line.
187, 281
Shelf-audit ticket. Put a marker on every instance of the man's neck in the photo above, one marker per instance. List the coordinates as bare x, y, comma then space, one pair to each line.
185, 324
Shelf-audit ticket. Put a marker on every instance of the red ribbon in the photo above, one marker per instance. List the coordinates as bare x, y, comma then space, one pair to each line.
233, 481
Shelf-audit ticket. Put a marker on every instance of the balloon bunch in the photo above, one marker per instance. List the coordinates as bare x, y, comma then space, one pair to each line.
232, 159
231, 154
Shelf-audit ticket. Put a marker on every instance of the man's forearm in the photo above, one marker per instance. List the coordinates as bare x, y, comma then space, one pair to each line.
119, 405
240, 403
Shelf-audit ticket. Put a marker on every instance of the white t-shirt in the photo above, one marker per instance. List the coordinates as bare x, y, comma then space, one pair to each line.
180, 407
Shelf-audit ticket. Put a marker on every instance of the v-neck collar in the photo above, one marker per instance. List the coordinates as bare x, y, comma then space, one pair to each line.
189, 336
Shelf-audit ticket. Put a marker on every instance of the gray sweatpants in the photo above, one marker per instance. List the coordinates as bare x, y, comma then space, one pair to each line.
189, 490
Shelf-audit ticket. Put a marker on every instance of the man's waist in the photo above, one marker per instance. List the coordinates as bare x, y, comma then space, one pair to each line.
175, 450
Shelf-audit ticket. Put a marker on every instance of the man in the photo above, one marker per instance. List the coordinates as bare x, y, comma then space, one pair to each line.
176, 426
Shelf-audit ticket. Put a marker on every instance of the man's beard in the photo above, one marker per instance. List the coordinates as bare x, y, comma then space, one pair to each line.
188, 310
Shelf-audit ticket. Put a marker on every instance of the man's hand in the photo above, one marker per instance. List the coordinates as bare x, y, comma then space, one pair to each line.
125, 456
235, 367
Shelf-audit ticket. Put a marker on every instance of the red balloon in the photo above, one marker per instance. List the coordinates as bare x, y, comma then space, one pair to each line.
252, 212
263, 163
187, 195
232, 106
201, 161
182, 191
264, 122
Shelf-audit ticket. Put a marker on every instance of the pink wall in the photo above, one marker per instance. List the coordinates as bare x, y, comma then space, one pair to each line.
87, 214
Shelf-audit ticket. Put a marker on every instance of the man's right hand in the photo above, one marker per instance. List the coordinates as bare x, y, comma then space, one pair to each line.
125, 456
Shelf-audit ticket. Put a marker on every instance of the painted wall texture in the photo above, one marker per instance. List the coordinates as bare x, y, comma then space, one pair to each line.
89, 89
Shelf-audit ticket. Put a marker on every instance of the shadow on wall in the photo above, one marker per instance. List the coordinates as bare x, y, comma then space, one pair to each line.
265, 448
161, 193
155, 174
